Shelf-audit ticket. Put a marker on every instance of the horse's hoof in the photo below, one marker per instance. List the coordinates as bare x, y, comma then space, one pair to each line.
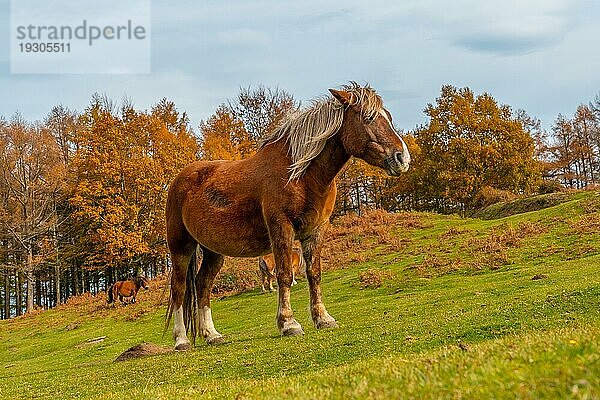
327, 324
215, 340
183, 347
292, 332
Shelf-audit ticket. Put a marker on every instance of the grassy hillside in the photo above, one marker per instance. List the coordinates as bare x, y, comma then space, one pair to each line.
429, 306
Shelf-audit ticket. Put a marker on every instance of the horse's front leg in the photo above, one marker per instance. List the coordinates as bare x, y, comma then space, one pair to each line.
311, 250
282, 239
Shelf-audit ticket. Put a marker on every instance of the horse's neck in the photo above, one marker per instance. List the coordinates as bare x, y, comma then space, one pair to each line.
324, 168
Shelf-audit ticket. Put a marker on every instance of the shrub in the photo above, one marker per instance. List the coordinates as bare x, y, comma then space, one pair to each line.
489, 195
550, 186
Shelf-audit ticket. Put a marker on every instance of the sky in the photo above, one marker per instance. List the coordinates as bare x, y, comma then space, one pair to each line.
538, 55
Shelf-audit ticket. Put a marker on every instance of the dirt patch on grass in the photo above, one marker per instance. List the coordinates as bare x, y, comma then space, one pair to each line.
91, 342
142, 350
538, 277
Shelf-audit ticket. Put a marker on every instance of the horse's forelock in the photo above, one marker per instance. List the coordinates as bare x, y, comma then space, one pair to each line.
307, 131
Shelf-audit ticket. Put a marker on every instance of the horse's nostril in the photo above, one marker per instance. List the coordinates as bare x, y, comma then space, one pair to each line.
398, 157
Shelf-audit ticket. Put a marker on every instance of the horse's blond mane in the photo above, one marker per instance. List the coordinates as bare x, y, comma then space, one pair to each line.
306, 131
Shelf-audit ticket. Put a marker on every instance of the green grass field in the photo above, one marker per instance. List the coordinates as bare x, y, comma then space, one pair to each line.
442, 308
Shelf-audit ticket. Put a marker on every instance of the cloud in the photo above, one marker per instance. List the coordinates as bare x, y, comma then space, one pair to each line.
243, 37
511, 27
202, 52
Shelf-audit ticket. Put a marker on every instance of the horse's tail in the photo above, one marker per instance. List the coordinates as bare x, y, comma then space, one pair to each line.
190, 301
110, 294
302, 267
263, 268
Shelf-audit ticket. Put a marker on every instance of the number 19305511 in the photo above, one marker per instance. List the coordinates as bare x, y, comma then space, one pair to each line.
45, 47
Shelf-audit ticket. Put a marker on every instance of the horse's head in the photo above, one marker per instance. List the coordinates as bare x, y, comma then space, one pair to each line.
142, 282
368, 130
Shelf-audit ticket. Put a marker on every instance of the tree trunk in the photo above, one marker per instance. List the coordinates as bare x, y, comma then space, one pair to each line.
57, 283
38, 292
30, 283
7, 295
75, 280
19, 292
358, 199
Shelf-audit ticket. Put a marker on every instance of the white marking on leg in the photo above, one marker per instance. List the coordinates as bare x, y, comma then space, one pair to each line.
206, 326
179, 328
289, 325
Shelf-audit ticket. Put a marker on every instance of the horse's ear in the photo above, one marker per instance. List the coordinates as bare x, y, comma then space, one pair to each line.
342, 96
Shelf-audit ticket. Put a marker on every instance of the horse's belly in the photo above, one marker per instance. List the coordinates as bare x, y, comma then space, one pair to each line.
229, 233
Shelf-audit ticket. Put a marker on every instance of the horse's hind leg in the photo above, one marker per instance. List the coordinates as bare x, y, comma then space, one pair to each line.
181, 246
211, 264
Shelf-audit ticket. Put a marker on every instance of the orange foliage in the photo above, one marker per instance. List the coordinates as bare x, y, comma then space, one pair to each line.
123, 165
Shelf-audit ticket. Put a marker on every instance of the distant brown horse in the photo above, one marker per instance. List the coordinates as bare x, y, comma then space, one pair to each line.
266, 269
129, 289
285, 191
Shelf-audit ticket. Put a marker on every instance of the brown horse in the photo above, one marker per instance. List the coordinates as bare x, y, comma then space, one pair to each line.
128, 288
285, 191
266, 269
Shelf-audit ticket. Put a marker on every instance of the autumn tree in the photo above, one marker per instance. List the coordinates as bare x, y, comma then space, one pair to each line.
224, 137
470, 143
575, 147
124, 162
32, 175
585, 128
236, 127
261, 109
63, 125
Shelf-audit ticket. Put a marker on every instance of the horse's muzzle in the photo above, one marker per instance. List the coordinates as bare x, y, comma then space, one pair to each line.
403, 160
396, 163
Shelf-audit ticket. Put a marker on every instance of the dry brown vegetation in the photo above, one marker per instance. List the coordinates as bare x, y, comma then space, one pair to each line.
351, 236
589, 222
433, 264
147, 302
491, 251
374, 278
